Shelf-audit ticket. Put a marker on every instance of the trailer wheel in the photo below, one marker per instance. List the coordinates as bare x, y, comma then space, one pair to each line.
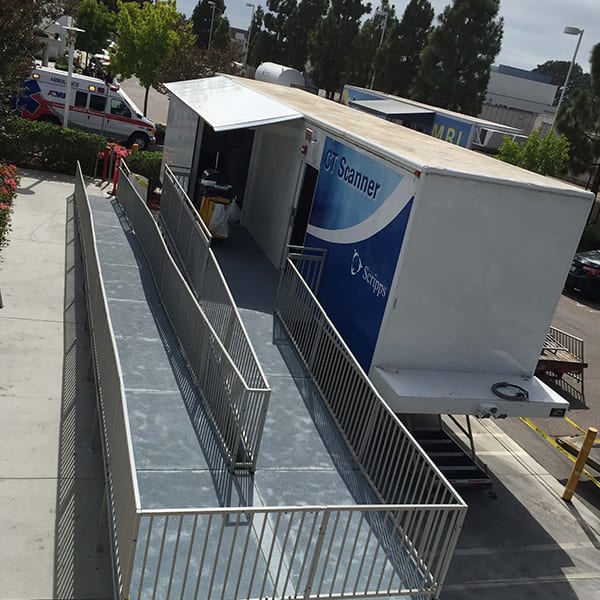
139, 138
50, 119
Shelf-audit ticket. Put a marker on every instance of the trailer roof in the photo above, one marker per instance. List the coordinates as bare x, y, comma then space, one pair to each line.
396, 143
400, 144
444, 112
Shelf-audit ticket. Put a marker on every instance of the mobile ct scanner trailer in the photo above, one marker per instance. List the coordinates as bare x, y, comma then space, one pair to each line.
444, 267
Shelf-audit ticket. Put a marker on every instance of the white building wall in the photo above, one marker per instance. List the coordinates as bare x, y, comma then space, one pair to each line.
513, 117
519, 88
518, 101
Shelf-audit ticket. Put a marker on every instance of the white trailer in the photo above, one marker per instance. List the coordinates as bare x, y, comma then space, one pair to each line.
444, 267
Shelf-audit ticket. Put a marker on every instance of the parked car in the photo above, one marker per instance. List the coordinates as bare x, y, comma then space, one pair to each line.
584, 274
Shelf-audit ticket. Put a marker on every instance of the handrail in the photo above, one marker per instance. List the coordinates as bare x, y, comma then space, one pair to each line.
386, 452
190, 241
294, 552
561, 340
237, 407
123, 498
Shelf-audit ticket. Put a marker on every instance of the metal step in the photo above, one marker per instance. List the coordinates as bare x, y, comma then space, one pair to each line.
448, 455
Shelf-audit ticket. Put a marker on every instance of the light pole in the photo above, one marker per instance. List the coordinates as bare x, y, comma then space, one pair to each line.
252, 6
569, 31
71, 32
384, 14
212, 22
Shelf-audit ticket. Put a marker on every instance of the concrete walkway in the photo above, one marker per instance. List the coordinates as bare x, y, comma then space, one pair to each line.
527, 543
50, 483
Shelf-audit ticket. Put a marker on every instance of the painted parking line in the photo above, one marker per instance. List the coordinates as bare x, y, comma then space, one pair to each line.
558, 447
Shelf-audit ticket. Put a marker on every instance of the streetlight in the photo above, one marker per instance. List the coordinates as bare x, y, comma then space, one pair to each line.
252, 6
569, 31
212, 21
379, 13
71, 33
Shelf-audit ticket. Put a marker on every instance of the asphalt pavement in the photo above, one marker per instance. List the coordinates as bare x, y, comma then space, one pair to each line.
578, 315
158, 104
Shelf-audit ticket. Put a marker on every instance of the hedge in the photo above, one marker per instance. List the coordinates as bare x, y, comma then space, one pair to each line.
47, 146
147, 164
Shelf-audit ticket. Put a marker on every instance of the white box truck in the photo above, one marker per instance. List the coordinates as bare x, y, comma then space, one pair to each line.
96, 107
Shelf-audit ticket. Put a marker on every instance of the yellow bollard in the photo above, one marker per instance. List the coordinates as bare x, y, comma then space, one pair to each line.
588, 442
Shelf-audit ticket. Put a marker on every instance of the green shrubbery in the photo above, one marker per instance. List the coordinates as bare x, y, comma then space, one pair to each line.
148, 165
47, 146
547, 155
161, 130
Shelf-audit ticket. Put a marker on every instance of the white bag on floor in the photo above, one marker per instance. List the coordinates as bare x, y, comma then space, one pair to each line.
234, 214
218, 225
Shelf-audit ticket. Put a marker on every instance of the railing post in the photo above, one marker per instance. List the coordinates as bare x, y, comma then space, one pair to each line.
317, 554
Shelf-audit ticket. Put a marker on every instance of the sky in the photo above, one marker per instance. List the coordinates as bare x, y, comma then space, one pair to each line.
533, 29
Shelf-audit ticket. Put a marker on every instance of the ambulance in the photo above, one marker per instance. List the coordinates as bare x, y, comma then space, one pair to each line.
95, 106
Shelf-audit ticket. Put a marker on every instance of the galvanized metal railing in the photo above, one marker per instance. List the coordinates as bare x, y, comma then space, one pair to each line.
568, 373
309, 262
182, 174
573, 345
388, 455
190, 240
244, 553
122, 491
290, 552
237, 403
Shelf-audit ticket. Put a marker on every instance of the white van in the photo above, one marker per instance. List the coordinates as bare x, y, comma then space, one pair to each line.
95, 106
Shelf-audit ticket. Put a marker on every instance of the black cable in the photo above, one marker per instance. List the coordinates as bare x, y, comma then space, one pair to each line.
521, 393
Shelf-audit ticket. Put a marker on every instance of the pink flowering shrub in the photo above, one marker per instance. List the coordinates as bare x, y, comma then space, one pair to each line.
9, 181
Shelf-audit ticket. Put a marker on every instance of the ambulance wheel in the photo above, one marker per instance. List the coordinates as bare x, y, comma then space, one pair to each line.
50, 119
139, 138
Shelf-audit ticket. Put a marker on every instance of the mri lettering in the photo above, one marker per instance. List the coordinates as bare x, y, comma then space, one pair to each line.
448, 134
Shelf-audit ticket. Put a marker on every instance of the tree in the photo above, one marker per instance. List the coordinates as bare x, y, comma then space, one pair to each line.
202, 17
360, 63
301, 22
595, 75
189, 62
400, 56
277, 24
329, 41
455, 64
557, 70
146, 37
579, 121
270, 32
21, 33
547, 155
98, 24
259, 46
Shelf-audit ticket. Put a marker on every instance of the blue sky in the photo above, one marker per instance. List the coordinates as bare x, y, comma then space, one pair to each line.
533, 29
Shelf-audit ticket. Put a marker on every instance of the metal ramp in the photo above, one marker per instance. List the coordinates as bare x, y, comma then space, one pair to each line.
323, 510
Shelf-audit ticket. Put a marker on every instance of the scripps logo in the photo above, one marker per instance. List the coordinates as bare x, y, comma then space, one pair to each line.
356, 267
